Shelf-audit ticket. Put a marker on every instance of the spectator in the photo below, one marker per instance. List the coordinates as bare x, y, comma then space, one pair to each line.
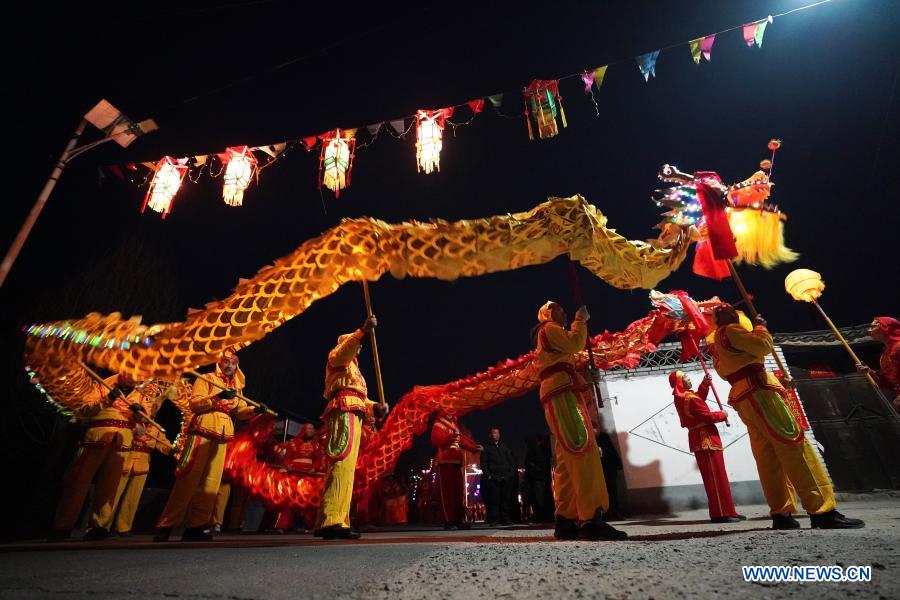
498, 475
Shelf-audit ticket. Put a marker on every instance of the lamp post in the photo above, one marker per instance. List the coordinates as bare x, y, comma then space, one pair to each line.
116, 127
805, 285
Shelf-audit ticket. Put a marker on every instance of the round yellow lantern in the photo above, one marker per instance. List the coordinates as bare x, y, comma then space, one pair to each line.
804, 285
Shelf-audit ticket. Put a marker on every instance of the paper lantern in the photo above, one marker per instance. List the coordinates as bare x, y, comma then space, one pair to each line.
165, 184
543, 105
336, 160
429, 135
804, 285
240, 166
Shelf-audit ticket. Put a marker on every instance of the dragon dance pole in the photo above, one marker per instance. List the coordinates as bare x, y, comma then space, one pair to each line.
785, 374
378, 380
579, 301
215, 383
109, 388
711, 384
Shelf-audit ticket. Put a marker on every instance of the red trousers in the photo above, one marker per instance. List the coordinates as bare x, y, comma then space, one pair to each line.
715, 480
452, 493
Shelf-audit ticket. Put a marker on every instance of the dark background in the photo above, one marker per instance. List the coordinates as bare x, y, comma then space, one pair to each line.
824, 81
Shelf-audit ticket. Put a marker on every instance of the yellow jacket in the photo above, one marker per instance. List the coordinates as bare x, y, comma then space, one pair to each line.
735, 348
212, 415
109, 422
556, 346
342, 373
138, 460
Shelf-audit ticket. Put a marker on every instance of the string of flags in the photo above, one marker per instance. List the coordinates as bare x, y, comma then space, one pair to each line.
543, 113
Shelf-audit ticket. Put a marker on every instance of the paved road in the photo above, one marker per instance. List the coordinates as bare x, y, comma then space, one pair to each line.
672, 557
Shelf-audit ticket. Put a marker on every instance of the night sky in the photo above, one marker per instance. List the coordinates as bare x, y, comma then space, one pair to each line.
824, 82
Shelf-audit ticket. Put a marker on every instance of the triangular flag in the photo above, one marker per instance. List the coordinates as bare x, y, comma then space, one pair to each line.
695, 49
399, 126
599, 74
706, 46
496, 100
373, 129
588, 78
647, 64
350, 133
476, 105
753, 32
309, 142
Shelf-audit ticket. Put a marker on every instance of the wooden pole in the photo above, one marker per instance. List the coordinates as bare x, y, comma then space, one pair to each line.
785, 374
143, 416
579, 300
221, 386
378, 381
711, 385
850, 351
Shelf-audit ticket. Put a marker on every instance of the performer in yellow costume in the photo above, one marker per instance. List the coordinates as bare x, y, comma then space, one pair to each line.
102, 452
147, 438
348, 404
784, 457
579, 487
199, 471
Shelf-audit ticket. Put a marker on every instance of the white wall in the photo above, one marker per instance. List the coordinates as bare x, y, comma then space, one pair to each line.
653, 445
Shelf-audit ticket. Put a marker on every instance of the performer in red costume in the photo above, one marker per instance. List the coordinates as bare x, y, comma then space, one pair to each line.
450, 442
705, 443
887, 331
304, 456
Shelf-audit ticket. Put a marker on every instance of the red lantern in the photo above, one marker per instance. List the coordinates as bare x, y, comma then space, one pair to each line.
166, 182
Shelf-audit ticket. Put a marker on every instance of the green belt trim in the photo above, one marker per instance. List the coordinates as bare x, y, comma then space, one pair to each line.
777, 414
570, 420
186, 453
339, 438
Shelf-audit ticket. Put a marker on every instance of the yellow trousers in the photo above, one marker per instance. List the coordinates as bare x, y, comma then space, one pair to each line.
579, 487
784, 467
130, 489
194, 494
338, 492
104, 462
221, 502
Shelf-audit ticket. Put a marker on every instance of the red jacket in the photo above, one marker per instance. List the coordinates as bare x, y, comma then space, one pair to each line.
301, 456
446, 437
699, 420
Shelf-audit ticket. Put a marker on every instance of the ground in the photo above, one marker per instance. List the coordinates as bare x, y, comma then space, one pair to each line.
675, 556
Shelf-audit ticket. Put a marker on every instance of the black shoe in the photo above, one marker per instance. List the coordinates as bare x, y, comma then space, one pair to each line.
95, 534
600, 530
566, 529
734, 519
448, 526
785, 521
345, 533
834, 520
196, 534
327, 533
505, 523
125, 534
463, 525
162, 534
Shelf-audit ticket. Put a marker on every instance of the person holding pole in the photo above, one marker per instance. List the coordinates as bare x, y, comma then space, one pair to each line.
111, 410
348, 404
784, 457
579, 487
198, 473
705, 443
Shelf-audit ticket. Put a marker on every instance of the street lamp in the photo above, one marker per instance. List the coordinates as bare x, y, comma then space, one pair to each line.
805, 285
116, 128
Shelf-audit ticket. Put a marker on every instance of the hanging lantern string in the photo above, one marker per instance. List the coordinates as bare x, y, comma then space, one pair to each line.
460, 105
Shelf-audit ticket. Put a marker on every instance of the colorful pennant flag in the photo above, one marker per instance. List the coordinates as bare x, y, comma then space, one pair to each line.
496, 100
753, 32
702, 46
399, 126
476, 105
373, 128
647, 64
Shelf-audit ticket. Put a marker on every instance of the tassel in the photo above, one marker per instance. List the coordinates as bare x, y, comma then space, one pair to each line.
562, 112
530, 133
759, 235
